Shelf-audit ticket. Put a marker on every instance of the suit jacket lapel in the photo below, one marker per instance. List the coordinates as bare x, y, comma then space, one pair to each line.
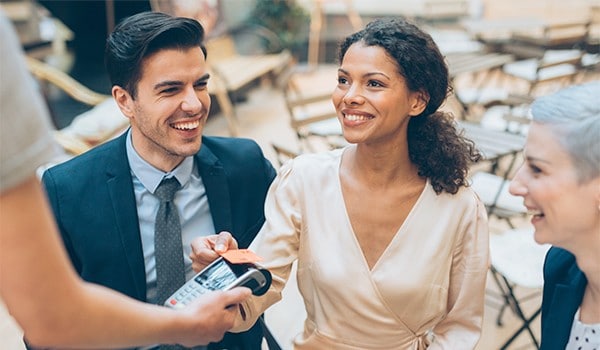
120, 188
217, 190
565, 301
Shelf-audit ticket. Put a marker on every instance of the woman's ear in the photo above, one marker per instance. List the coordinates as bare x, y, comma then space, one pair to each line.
124, 101
419, 102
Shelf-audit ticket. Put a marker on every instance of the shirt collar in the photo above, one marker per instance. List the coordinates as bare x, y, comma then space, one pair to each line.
149, 176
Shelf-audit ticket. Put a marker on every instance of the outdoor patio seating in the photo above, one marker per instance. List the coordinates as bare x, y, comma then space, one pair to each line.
517, 266
559, 35
232, 69
553, 65
312, 115
100, 123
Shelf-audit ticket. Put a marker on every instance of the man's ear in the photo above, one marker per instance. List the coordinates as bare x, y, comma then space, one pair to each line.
419, 102
124, 101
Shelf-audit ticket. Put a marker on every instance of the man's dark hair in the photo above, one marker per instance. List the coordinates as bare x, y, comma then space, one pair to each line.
142, 35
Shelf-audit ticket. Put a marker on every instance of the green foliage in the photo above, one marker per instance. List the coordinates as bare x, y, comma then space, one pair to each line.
284, 17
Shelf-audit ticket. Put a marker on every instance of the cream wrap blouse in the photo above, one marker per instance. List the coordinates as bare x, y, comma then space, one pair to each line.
426, 290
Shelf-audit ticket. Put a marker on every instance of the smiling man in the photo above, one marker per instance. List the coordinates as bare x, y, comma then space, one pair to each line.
106, 201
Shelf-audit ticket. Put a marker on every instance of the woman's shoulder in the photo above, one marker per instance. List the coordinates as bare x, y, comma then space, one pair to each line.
316, 162
558, 259
465, 196
322, 156
309, 166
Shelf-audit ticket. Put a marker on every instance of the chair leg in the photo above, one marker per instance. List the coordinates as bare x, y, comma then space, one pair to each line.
510, 224
503, 292
510, 299
526, 325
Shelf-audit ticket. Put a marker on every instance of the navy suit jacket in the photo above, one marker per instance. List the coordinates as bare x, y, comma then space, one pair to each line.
564, 284
94, 204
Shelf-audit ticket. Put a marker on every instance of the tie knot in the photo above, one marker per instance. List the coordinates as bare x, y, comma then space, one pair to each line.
166, 189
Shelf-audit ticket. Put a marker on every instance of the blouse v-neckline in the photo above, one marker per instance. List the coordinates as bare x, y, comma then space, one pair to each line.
356, 244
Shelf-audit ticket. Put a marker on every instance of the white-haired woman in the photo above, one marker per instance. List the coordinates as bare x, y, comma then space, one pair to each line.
560, 184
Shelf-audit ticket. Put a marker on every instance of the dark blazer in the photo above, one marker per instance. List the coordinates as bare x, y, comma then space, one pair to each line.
564, 284
94, 204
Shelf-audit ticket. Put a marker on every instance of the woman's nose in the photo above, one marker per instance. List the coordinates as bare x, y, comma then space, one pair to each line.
517, 186
353, 96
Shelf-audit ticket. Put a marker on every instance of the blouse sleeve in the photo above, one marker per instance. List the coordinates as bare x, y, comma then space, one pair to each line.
461, 328
277, 243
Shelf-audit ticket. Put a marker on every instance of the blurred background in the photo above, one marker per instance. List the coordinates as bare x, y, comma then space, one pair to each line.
70, 34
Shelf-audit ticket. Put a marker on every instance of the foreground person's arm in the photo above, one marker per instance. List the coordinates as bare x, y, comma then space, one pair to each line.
56, 308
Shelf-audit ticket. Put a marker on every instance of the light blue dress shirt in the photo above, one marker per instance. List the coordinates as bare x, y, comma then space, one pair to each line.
191, 202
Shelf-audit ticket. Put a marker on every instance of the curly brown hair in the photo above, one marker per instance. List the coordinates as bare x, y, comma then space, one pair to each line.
442, 153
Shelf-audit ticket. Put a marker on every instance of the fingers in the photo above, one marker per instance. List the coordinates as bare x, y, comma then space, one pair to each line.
203, 248
224, 241
202, 252
211, 315
236, 295
207, 249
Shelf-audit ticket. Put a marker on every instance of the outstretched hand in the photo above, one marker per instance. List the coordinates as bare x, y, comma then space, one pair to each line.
207, 249
211, 315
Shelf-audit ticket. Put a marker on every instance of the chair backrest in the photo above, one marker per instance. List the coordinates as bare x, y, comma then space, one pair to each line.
221, 47
510, 113
516, 255
283, 154
93, 127
553, 65
493, 191
444, 9
556, 35
593, 39
45, 72
311, 114
558, 64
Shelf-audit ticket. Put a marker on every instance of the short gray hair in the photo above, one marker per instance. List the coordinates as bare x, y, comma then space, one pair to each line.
574, 115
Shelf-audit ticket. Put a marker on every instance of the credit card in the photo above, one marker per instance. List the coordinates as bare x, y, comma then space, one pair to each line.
240, 256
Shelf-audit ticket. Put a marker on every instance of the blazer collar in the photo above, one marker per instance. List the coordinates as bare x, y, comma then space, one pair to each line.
122, 197
120, 188
566, 299
572, 288
217, 189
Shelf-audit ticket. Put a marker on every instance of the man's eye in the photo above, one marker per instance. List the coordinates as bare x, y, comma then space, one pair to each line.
169, 91
200, 86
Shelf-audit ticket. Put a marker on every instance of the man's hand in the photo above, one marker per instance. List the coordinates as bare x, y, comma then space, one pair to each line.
207, 249
210, 316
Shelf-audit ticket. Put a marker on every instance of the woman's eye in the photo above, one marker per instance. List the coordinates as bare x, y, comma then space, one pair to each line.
342, 80
374, 83
534, 169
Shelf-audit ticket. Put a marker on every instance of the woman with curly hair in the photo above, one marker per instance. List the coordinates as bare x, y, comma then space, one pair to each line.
391, 243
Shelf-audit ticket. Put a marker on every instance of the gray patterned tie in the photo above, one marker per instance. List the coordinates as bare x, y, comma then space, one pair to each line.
168, 249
